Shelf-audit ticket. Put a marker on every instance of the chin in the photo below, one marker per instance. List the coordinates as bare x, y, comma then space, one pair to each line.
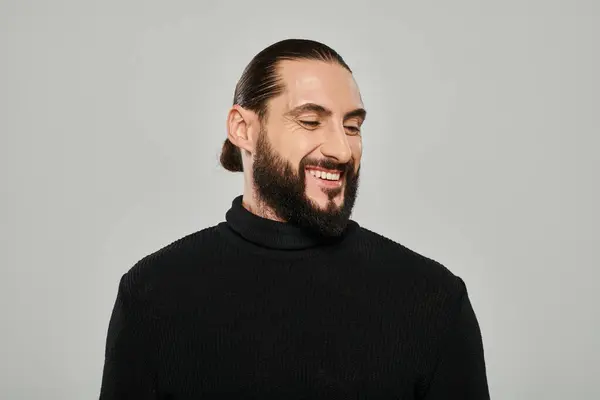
317, 202
323, 202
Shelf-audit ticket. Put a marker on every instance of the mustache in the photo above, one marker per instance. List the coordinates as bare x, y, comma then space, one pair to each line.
328, 163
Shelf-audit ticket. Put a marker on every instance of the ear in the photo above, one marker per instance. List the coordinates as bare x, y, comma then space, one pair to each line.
242, 128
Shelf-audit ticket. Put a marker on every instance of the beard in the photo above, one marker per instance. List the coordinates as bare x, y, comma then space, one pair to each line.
283, 190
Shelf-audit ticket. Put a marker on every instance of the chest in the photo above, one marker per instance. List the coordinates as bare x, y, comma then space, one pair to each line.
313, 339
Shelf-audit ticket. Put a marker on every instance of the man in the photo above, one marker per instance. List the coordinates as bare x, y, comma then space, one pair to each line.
289, 298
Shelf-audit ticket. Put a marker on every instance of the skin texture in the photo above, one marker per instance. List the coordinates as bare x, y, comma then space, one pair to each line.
314, 124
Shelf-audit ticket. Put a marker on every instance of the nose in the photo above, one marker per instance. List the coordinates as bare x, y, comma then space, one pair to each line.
336, 146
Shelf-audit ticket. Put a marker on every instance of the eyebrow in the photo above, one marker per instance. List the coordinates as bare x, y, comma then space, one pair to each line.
325, 112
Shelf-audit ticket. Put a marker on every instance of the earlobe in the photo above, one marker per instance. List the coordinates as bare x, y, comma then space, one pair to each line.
239, 130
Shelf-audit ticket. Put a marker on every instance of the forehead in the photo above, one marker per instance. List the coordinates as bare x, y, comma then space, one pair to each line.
324, 83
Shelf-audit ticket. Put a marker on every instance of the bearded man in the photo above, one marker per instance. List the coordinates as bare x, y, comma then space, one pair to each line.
289, 298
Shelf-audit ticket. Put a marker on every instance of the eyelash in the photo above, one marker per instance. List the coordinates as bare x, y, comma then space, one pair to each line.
314, 124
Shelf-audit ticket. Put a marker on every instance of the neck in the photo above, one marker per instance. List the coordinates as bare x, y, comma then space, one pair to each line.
251, 202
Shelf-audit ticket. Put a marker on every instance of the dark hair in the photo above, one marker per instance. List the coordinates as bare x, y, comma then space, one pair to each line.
260, 82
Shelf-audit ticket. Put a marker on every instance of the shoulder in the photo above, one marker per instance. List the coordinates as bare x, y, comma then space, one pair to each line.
147, 279
409, 267
415, 282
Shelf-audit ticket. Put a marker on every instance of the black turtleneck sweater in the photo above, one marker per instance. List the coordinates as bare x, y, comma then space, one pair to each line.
257, 309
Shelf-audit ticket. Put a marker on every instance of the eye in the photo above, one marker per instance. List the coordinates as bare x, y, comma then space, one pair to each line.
312, 124
353, 130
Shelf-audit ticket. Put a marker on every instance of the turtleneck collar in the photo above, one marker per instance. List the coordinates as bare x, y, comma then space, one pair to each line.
274, 234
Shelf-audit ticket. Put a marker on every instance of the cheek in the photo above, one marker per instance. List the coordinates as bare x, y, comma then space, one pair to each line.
356, 147
293, 146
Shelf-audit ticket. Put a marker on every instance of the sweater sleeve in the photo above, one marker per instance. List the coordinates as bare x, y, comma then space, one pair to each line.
128, 371
461, 371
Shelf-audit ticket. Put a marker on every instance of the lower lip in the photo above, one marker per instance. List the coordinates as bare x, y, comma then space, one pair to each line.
323, 182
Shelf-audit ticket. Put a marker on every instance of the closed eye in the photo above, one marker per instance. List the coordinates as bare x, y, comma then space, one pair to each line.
313, 124
353, 129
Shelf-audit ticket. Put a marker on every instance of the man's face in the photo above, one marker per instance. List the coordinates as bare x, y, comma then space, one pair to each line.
307, 156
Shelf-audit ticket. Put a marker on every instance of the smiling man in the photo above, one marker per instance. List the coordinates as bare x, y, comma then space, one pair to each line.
289, 298
303, 151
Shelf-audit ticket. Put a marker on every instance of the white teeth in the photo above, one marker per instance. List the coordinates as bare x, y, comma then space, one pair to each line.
325, 175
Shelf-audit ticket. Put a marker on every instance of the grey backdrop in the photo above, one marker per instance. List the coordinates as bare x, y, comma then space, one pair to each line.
481, 151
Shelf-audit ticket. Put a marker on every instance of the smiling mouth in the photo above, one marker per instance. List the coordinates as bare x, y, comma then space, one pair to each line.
326, 177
